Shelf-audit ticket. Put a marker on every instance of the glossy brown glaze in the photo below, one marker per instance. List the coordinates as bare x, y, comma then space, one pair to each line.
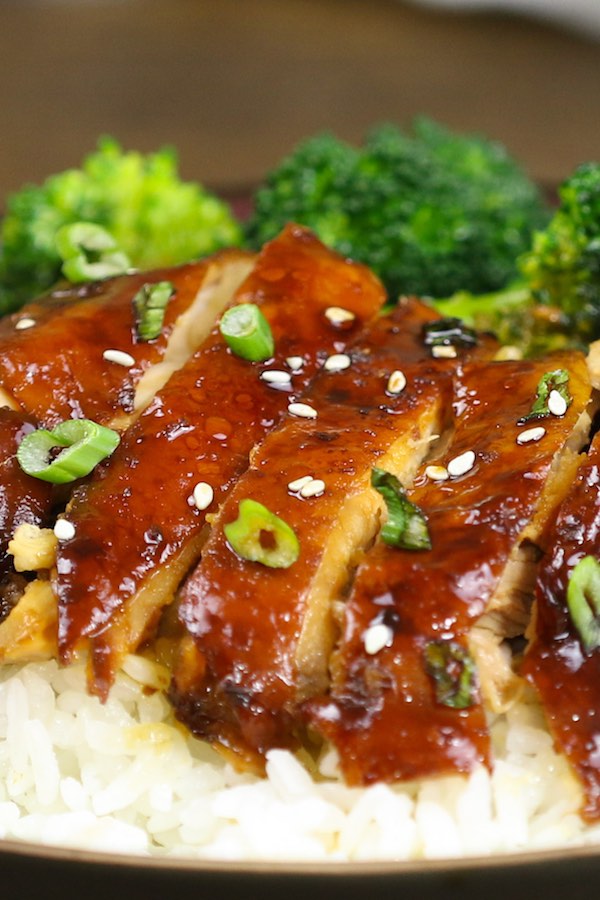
262, 636
382, 713
55, 369
567, 677
23, 499
137, 521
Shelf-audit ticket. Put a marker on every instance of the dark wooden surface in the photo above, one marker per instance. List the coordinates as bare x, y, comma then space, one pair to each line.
234, 84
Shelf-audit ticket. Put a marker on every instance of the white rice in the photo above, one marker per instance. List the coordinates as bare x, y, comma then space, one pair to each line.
125, 778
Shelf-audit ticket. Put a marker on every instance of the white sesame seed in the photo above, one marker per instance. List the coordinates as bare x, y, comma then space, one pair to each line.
314, 488
396, 382
203, 495
444, 351
337, 362
337, 315
119, 357
24, 323
295, 363
531, 435
462, 464
437, 473
302, 410
376, 637
557, 404
276, 376
299, 483
64, 530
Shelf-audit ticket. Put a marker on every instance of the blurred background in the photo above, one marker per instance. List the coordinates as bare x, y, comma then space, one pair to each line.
233, 85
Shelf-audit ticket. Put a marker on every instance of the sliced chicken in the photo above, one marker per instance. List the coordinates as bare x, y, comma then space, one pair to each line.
409, 674
139, 524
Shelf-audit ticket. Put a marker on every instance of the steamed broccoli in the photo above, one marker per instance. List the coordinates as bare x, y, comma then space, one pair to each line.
156, 218
430, 211
556, 301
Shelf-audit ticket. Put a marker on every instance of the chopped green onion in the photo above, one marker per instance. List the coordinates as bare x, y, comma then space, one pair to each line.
247, 332
89, 253
583, 601
449, 332
406, 526
558, 381
150, 305
260, 536
82, 444
453, 671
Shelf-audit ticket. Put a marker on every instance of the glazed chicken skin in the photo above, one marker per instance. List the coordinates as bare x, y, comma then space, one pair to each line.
564, 669
259, 638
138, 528
408, 678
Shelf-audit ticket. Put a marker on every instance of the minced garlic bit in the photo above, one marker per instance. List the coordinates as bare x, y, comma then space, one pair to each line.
376, 637
396, 382
557, 405
531, 435
337, 362
299, 483
314, 488
64, 530
462, 464
337, 315
295, 363
25, 322
276, 376
203, 495
119, 357
302, 410
444, 351
33, 548
437, 473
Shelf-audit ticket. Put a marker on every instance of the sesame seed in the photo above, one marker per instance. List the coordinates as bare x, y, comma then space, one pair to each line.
444, 351
437, 473
302, 410
337, 315
295, 363
462, 464
376, 637
299, 483
314, 488
119, 357
337, 362
203, 495
24, 323
531, 435
64, 530
557, 404
396, 382
276, 376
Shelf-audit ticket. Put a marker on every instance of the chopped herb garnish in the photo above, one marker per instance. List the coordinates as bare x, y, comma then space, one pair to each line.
81, 443
558, 381
449, 332
89, 253
583, 601
260, 536
453, 671
150, 304
406, 526
247, 332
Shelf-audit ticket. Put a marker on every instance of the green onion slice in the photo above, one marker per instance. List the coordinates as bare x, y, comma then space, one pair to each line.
81, 445
247, 332
150, 305
453, 671
406, 526
558, 381
89, 253
583, 601
260, 536
449, 331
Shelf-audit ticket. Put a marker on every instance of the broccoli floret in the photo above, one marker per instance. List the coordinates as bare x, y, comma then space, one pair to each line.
556, 301
429, 211
156, 218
